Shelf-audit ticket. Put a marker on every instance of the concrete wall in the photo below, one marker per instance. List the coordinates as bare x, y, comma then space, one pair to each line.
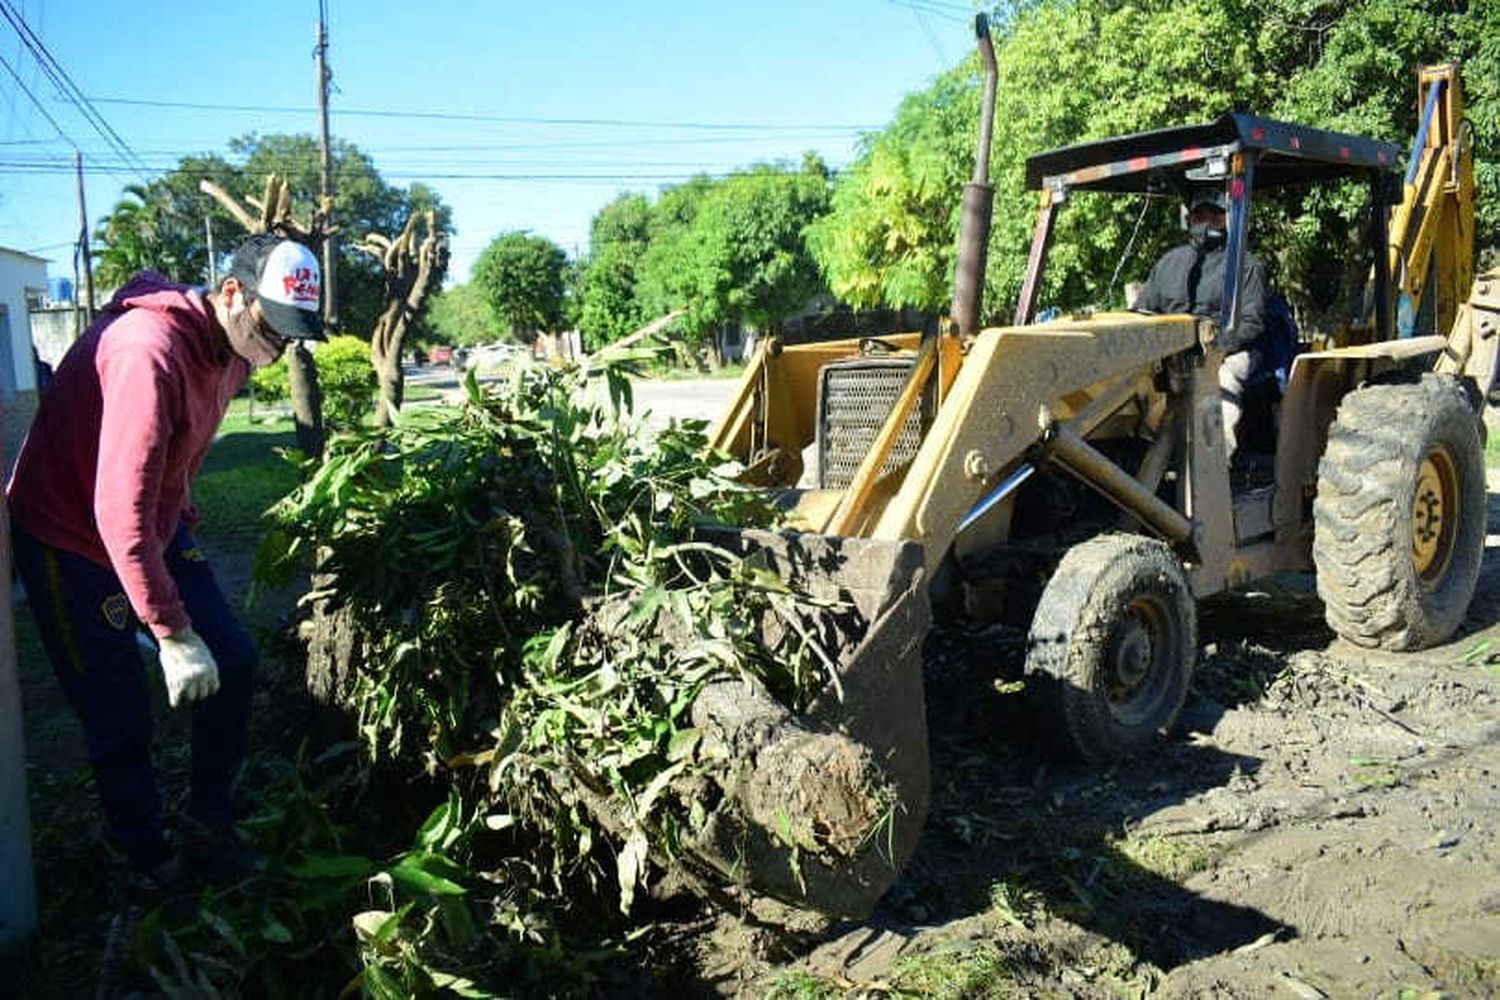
16, 413
53, 331
21, 276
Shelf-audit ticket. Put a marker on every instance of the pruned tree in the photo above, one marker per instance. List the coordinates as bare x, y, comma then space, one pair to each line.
413, 267
273, 214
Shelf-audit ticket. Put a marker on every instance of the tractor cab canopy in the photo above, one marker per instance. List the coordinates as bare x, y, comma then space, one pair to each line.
1243, 152
1166, 161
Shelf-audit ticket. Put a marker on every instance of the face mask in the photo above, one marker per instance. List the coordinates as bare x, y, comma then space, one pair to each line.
1206, 237
247, 337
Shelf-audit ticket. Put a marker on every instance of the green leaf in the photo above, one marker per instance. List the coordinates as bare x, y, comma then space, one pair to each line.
383, 986
344, 866
412, 873
459, 985
1478, 650
223, 928
443, 826
684, 743
275, 931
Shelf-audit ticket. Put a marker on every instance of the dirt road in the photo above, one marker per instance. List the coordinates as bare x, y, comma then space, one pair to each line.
1327, 823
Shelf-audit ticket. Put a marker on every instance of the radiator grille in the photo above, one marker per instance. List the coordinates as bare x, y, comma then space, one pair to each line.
854, 398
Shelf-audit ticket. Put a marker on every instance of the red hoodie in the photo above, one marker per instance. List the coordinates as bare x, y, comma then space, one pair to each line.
121, 431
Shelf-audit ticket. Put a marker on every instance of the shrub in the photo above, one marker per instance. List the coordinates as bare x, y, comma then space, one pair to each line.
345, 376
270, 384
347, 379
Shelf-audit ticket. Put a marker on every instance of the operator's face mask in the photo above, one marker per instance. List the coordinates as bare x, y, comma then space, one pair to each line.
1208, 228
1207, 236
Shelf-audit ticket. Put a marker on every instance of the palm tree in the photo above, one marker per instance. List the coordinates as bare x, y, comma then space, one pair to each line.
145, 230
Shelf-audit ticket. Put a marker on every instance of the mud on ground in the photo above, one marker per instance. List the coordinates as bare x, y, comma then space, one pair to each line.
1325, 823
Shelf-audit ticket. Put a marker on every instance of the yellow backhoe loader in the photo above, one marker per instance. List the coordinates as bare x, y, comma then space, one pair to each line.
1072, 474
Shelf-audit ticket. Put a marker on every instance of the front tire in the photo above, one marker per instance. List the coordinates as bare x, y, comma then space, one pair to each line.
1113, 644
1399, 518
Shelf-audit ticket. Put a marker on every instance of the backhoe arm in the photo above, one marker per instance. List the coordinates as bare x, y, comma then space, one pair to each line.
1432, 230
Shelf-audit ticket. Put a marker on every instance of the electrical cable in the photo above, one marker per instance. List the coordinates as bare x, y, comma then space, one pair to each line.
70, 90
471, 117
39, 106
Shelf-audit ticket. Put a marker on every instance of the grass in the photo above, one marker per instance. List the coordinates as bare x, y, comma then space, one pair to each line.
733, 370
244, 475
946, 972
1174, 858
980, 971
799, 985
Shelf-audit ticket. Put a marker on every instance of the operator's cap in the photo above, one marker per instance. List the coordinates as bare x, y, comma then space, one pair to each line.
1213, 197
286, 279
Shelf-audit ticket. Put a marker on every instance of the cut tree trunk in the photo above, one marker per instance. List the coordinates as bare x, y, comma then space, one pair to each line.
412, 270
307, 399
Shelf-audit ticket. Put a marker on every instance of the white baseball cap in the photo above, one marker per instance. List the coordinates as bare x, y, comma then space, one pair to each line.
288, 282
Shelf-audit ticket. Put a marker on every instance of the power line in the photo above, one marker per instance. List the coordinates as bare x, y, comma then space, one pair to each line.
39, 106
928, 7
467, 117
408, 164
35, 168
65, 85
608, 144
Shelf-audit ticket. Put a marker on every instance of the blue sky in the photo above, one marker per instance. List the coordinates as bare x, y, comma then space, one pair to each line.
632, 95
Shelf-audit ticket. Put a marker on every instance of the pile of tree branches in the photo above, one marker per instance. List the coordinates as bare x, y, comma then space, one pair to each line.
513, 597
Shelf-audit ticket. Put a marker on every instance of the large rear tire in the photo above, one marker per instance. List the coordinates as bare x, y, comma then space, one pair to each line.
1399, 518
1113, 644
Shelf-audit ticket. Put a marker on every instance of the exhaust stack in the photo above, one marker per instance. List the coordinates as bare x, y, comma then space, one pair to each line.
979, 201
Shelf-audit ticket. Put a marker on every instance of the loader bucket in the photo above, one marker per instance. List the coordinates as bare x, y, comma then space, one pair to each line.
824, 808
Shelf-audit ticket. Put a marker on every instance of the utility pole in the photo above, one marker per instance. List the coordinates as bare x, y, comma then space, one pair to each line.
83, 241
325, 179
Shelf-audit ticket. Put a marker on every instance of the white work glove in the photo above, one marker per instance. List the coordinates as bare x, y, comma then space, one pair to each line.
188, 666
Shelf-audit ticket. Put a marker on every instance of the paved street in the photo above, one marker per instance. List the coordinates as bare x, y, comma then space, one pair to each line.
658, 400
703, 399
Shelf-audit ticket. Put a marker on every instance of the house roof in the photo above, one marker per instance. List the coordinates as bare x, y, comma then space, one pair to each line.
22, 253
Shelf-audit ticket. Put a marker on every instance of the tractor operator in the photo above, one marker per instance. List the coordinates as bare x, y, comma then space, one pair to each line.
102, 521
1190, 279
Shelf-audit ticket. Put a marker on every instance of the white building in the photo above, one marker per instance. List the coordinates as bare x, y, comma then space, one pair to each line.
23, 285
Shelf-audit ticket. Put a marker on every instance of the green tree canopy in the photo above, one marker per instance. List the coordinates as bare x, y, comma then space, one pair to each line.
160, 225
522, 276
462, 316
733, 250
619, 235
1074, 70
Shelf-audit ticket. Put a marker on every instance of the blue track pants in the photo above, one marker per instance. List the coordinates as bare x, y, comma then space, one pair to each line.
89, 633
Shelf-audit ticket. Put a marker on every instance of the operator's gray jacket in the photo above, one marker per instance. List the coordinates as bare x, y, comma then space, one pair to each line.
1182, 282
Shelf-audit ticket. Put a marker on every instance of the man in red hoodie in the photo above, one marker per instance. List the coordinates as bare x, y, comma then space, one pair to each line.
101, 518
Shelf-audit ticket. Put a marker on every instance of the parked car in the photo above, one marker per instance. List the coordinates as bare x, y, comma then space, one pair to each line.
440, 355
490, 356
